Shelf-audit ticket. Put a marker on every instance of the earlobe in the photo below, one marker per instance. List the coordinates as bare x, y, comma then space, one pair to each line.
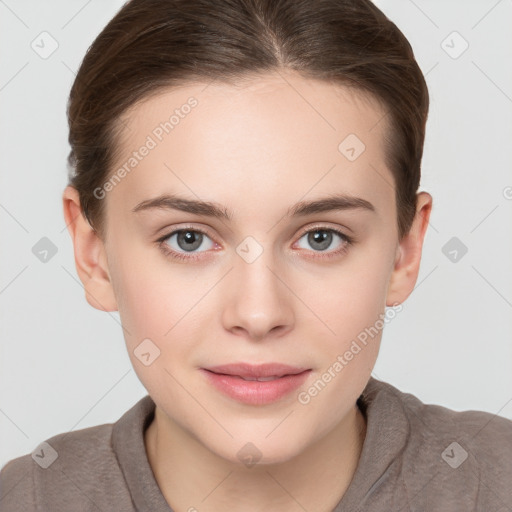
408, 256
90, 254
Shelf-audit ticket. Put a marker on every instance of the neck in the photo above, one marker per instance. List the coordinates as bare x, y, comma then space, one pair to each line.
190, 475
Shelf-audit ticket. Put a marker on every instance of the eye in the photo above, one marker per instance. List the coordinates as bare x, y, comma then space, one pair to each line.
183, 241
320, 238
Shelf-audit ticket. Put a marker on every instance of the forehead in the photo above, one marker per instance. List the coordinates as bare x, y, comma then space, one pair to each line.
286, 95
265, 138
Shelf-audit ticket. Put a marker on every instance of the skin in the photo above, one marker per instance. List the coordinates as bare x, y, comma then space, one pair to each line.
257, 149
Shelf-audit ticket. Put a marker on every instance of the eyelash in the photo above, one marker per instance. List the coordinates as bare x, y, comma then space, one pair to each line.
348, 241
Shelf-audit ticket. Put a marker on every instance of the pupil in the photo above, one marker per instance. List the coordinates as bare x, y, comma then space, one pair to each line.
190, 240
321, 237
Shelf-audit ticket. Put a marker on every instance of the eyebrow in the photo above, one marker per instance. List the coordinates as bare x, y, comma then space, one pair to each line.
215, 210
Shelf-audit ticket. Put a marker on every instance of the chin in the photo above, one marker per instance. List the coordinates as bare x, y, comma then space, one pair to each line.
259, 452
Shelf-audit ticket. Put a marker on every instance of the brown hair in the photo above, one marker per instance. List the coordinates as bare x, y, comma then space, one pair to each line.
153, 44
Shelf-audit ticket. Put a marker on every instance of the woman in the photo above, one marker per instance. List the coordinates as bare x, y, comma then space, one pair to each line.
244, 193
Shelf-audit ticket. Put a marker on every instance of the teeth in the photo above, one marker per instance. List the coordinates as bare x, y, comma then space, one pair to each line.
260, 379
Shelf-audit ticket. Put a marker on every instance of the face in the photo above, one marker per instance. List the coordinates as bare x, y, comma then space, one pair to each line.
269, 282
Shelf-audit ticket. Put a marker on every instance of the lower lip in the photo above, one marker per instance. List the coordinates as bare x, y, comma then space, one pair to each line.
255, 392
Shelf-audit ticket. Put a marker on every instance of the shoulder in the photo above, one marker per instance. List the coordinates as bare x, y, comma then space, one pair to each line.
453, 452
487, 435
436, 419
17, 485
68, 471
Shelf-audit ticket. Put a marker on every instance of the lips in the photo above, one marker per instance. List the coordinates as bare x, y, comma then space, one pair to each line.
261, 372
256, 384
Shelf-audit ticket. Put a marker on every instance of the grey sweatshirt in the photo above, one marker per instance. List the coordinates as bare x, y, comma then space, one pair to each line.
416, 457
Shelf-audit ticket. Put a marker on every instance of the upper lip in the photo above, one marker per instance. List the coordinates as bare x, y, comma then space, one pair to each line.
256, 370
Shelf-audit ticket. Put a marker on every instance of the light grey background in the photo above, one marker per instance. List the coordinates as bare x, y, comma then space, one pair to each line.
64, 364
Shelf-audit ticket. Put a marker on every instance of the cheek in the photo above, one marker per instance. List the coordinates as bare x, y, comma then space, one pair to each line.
148, 302
160, 302
355, 296
142, 301
353, 304
156, 326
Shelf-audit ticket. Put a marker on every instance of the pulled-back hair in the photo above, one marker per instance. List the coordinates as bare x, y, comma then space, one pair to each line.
154, 44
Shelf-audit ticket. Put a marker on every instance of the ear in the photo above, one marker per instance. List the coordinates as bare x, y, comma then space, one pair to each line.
408, 254
90, 255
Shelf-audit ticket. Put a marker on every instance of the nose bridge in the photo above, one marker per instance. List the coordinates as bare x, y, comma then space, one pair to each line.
255, 267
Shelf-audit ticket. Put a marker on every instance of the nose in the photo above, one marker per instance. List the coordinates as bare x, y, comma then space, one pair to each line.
258, 303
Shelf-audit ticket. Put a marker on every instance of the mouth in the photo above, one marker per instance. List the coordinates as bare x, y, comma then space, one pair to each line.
262, 372
259, 379
256, 384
